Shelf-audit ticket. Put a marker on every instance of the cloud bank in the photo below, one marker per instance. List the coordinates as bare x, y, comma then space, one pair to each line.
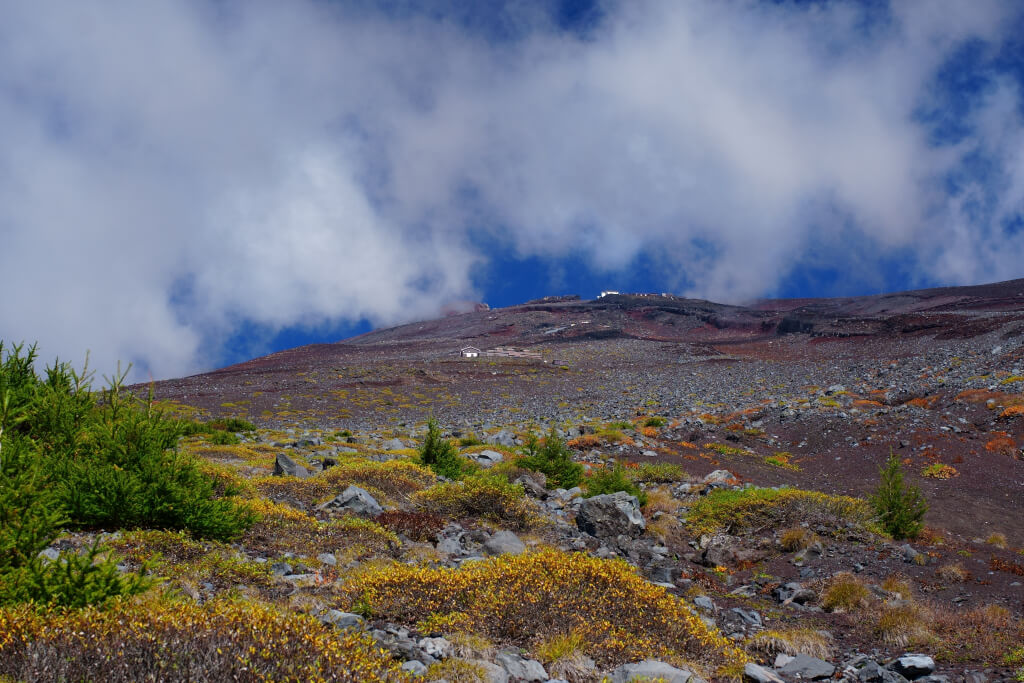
172, 171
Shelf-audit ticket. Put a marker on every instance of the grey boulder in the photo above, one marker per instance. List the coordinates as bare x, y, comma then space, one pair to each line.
356, 501
504, 543
807, 668
611, 515
651, 669
760, 674
913, 666
520, 668
286, 467
486, 458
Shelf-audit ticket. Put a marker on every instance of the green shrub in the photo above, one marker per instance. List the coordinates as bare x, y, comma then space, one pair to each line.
29, 522
900, 507
109, 460
553, 458
439, 454
611, 479
31, 517
759, 508
219, 438
654, 421
234, 424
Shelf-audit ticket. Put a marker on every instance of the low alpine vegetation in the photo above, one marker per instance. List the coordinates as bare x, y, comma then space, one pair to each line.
736, 510
526, 600
553, 458
221, 640
604, 480
900, 507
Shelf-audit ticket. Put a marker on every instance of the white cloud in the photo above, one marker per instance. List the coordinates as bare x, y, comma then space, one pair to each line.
171, 169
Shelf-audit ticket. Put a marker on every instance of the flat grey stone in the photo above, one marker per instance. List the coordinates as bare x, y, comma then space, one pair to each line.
611, 515
340, 619
912, 666
651, 669
504, 543
520, 668
760, 674
415, 668
808, 668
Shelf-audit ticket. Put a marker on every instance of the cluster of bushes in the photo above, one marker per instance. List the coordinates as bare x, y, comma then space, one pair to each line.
736, 510
222, 640
72, 457
481, 494
612, 479
529, 599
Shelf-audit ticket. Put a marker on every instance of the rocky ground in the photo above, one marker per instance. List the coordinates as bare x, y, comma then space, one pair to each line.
811, 395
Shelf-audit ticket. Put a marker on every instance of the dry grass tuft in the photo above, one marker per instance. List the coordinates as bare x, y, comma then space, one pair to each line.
903, 624
997, 539
792, 641
844, 592
952, 573
797, 538
898, 585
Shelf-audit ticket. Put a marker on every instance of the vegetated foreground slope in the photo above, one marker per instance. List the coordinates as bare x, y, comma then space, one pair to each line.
675, 545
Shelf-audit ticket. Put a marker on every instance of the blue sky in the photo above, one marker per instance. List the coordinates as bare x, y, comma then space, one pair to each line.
189, 184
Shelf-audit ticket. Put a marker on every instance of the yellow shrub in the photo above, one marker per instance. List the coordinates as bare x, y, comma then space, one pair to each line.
285, 529
526, 598
484, 495
218, 641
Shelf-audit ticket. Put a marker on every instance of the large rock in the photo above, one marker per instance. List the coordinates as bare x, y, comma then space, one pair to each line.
611, 515
286, 467
651, 669
356, 501
521, 669
808, 668
486, 458
531, 487
913, 666
504, 438
504, 543
760, 674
